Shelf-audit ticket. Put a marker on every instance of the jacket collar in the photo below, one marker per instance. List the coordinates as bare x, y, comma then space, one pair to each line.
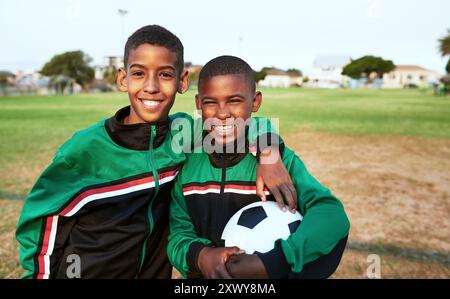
227, 159
219, 160
135, 136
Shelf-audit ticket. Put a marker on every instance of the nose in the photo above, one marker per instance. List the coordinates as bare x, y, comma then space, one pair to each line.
223, 112
151, 85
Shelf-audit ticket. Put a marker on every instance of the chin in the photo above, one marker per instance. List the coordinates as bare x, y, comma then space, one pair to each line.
152, 117
227, 139
223, 140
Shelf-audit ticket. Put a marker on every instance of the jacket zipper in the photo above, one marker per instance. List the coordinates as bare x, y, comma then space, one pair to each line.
149, 209
224, 174
219, 203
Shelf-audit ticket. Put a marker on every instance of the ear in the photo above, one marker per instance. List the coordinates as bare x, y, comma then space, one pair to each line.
122, 80
184, 82
198, 103
257, 101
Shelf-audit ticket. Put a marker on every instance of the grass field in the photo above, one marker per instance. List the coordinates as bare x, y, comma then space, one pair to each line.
384, 153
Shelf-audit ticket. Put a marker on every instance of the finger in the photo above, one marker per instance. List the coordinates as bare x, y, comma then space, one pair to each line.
232, 269
233, 250
278, 197
293, 190
231, 260
230, 266
260, 188
230, 251
288, 197
238, 252
222, 272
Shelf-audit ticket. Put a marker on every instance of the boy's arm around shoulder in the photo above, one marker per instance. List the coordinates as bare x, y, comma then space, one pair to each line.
267, 145
184, 243
55, 186
185, 131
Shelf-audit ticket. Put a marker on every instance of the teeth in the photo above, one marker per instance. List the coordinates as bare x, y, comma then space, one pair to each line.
150, 103
224, 129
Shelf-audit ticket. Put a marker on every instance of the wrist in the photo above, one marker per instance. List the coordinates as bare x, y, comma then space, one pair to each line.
193, 253
201, 256
275, 263
269, 155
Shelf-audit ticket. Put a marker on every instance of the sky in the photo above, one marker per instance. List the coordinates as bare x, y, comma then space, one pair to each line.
280, 33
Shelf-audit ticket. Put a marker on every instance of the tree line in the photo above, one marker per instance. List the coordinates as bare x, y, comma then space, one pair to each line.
74, 67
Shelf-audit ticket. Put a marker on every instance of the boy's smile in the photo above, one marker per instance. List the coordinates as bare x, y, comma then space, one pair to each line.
226, 102
152, 81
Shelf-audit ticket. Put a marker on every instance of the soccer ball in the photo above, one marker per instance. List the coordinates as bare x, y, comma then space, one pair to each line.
257, 226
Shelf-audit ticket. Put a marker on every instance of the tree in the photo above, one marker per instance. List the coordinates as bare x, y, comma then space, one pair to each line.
295, 72
110, 76
6, 79
259, 76
193, 77
444, 44
74, 65
444, 48
366, 66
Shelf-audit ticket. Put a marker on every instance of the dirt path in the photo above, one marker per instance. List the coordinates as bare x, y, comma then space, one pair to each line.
396, 190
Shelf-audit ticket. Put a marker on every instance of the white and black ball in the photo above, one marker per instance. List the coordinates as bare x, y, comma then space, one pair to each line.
257, 226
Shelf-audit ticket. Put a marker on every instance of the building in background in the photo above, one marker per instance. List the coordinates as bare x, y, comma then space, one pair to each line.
326, 71
194, 72
30, 83
110, 64
7, 78
410, 76
105, 75
279, 78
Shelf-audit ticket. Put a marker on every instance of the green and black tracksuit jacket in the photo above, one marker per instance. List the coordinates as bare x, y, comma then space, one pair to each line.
105, 197
210, 188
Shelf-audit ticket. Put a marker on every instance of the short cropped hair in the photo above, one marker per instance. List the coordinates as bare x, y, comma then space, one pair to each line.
159, 36
227, 65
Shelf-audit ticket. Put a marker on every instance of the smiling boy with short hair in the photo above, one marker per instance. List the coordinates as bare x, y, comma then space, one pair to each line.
212, 187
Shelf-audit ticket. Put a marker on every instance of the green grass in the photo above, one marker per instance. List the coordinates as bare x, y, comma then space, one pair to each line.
360, 112
32, 127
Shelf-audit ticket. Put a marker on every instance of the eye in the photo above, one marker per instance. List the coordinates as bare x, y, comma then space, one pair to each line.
235, 101
137, 74
167, 75
208, 102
